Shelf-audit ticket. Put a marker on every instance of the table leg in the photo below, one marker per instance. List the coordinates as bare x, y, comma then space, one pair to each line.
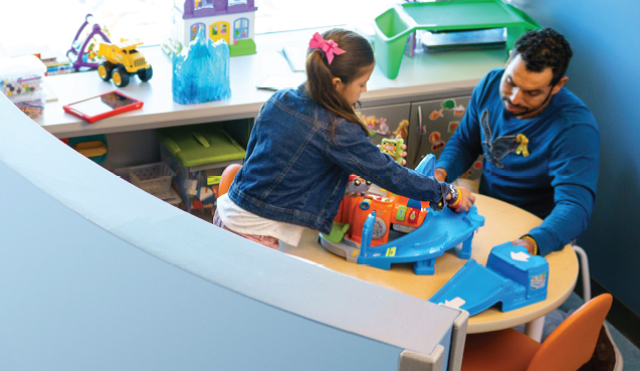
534, 329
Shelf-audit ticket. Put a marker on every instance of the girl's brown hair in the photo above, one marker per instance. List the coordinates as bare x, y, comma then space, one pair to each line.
348, 67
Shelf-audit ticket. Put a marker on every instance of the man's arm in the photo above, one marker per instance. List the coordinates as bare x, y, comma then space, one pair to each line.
574, 167
465, 144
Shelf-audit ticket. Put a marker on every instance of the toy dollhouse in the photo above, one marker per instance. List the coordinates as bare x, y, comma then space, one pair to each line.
231, 20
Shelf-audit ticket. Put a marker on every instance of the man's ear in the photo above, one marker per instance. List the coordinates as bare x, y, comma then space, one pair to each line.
559, 85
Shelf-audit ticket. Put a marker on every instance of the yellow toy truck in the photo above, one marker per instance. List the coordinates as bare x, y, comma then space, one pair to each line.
121, 61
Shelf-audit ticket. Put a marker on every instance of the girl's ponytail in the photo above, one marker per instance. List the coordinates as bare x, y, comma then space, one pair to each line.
348, 67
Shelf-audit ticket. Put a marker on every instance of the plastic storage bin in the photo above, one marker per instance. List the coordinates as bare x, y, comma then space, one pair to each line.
394, 26
172, 197
21, 80
152, 178
198, 154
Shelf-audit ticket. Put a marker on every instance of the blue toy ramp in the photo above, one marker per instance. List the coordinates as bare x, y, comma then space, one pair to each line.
439, 232
512, 276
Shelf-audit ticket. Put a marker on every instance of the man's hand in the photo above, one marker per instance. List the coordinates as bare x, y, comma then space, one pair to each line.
441, 174
526, 244
467, 200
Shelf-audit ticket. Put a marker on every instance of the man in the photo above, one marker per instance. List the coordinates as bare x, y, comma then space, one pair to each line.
540, 142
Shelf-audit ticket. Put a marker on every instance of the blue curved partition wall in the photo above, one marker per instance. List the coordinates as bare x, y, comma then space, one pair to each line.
96, 274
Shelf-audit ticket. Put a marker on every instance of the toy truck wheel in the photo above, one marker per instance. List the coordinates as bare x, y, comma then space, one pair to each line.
146, 74
104, 70
120, 77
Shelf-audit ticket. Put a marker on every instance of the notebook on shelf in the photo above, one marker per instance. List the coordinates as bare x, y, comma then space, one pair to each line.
494, 38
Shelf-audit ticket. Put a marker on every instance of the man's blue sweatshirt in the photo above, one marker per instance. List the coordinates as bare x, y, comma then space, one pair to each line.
556, 181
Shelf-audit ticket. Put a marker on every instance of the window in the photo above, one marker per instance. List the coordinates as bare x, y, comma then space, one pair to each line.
287, 15
195, 28
241, 28
151, 20
202, 4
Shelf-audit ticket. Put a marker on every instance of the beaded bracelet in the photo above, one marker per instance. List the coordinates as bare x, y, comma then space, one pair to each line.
456, 191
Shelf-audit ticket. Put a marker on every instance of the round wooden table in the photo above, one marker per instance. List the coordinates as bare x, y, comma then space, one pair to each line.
503, 222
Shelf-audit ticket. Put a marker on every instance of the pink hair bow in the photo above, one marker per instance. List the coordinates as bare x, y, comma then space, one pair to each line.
329, 47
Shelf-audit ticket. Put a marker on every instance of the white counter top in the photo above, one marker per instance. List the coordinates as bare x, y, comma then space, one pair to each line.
420, 78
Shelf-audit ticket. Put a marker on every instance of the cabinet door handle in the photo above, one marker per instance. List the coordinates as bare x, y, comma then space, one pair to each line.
420, 120
415, 158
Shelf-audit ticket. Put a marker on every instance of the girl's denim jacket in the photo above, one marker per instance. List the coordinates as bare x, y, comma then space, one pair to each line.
297, 168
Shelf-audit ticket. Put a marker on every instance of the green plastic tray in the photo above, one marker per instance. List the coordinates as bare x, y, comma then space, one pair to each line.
201, 144
394, 26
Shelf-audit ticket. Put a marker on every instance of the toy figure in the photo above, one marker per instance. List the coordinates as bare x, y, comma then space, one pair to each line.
402, 131
384, 128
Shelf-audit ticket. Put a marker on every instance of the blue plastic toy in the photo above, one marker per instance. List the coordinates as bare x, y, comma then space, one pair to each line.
439, 232
201, 71
512, 276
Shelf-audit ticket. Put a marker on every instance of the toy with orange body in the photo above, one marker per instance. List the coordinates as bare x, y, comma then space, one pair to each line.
392, 213
363, 226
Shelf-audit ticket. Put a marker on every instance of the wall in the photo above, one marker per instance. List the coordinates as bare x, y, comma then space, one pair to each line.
99, 275
605, 75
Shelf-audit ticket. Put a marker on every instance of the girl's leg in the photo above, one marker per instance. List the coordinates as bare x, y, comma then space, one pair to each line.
268, 241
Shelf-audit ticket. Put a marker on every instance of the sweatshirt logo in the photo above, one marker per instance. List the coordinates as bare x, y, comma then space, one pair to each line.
496, 150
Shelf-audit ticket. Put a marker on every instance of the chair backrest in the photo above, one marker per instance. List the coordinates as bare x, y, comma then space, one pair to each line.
228, 175
572, 343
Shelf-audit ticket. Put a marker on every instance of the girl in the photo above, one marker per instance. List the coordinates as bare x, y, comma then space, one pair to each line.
307, 141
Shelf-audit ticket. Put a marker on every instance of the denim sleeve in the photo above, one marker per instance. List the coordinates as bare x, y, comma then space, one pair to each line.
465, 146
574, 167
352, 150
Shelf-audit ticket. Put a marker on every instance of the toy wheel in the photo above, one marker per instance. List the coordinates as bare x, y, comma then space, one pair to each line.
120, 77
104, 70
146, 74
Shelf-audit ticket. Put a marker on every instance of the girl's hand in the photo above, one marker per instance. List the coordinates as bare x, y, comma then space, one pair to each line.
441, 174
404, 154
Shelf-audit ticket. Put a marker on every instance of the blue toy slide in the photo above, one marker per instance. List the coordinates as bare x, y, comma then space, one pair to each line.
440, 231
512, 276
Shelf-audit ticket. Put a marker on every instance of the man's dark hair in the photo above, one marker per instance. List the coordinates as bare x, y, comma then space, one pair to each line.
544, 48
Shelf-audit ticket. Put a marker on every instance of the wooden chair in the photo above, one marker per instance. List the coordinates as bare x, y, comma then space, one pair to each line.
567, 348
228, 175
